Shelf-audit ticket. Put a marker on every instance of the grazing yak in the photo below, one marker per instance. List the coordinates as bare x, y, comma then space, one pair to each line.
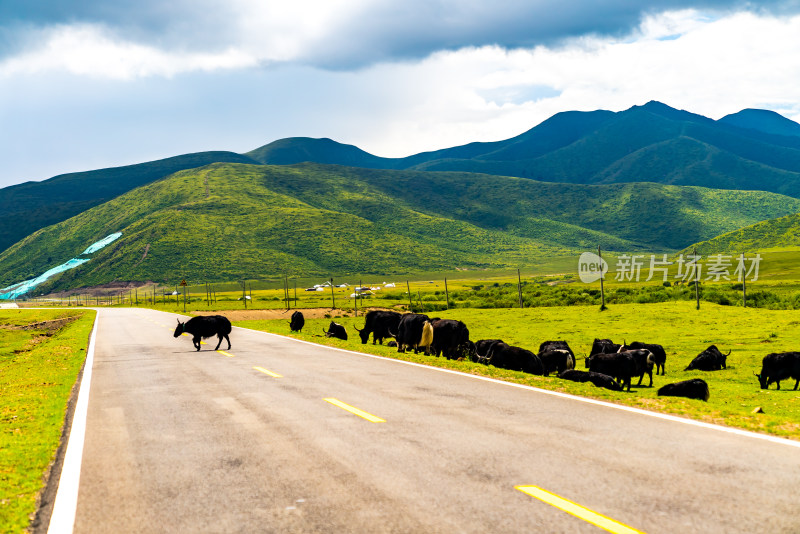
513, 358
205, 326
695, 388
450, 337
336, 330
414, 331
659, 354
710, 359
598, 379
297, 322
619, 365
779, 366
380, 324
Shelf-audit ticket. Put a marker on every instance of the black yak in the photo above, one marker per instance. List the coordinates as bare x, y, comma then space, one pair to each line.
483, 348
575, 375
604, 381
414, 331
695, 388
603, 346
297, 322
620, 365
659, 354
598, 379
778, 366
506, 356
336, 330
556, 361
205, 326
645, 360
710, 359
547, 346
450, 337
380, 324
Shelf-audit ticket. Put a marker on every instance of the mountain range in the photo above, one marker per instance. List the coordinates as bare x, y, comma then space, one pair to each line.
650, 177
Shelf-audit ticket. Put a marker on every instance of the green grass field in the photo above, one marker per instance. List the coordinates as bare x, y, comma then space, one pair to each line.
38, 368
683, 331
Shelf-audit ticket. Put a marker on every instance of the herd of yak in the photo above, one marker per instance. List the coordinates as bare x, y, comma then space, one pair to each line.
610, 365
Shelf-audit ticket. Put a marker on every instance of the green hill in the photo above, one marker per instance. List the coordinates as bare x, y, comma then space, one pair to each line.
753, 150
782, 232
27, 207
233, 221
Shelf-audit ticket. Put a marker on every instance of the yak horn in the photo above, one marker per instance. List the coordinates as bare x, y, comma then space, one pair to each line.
729, 352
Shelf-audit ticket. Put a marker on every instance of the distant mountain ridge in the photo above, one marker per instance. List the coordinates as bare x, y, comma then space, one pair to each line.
753, 150
763, 120
649, 143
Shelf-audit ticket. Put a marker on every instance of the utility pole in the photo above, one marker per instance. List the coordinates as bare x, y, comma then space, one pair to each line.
697, 279
602, 275
744, 283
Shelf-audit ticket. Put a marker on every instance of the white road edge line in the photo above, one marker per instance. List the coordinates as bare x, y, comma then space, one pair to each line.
62, 520
666, 417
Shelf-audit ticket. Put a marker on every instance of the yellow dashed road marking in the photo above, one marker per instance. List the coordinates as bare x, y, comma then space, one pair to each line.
577, 510
369, 417
268, 372
229, 355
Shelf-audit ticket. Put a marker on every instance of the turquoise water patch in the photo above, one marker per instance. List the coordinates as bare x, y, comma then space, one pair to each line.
21, 288
102, 243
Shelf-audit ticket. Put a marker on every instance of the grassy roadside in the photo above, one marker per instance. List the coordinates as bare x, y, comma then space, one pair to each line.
38, 368
683, 331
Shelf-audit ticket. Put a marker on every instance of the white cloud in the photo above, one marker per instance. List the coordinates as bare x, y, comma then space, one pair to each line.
712, 67
86, 90
89, 50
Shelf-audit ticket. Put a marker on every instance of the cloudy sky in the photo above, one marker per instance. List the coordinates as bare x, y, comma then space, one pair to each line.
87, 84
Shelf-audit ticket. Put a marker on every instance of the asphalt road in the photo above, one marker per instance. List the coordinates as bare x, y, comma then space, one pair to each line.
185, 441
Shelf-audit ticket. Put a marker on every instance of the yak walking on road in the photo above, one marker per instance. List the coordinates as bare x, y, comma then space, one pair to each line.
205, 326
